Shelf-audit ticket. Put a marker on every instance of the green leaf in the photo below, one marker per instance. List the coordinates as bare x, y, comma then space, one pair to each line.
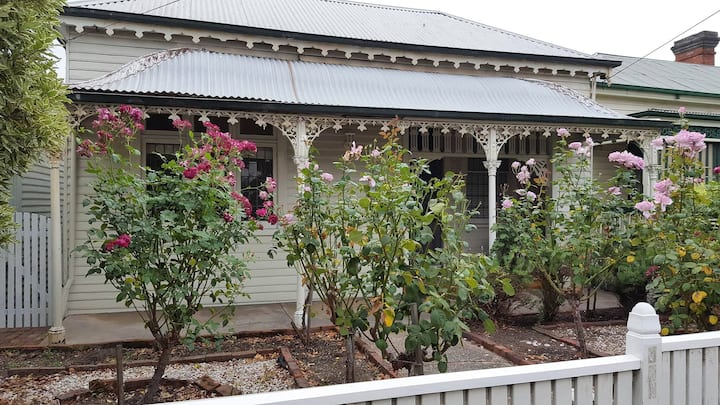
489, 325
507, 287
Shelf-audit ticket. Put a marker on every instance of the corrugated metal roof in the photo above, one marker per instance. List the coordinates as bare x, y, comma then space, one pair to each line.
343, 19
201, 73
664, 74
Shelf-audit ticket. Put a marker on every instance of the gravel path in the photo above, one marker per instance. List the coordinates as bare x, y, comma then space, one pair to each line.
606, 339
247, 375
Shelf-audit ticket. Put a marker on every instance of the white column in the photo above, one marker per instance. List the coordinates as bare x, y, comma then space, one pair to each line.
652, 168
492, 166
644, 342
301, 148
57, 331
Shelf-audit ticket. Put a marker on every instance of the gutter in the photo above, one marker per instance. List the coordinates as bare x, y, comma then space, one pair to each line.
657, 90
347, 111
674, 115
239, 29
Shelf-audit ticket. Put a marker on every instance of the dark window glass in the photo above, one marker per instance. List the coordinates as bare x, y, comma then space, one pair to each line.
157, 122
249, 127
219, 121
158, 153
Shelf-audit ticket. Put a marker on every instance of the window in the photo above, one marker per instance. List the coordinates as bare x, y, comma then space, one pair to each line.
477, 183
158, 153
257, 169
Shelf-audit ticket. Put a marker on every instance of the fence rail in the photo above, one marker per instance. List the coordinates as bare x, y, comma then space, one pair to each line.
24, 298
678, 370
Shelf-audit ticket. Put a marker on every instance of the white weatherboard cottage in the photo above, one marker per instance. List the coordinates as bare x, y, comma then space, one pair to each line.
294, 74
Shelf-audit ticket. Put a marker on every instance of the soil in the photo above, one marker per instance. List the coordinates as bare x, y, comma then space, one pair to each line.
319, 360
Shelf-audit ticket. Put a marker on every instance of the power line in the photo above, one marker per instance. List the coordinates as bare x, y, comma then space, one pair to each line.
114, 23
664, 44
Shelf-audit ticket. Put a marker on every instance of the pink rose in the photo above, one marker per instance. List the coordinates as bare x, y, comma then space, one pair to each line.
190, 172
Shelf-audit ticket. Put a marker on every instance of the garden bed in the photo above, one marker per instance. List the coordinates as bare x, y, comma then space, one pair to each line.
244, 364
270, 361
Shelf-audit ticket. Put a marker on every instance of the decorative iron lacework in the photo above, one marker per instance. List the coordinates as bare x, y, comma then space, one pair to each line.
287, 124
710, 132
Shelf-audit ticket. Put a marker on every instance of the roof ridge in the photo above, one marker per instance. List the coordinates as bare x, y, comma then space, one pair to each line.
512, 34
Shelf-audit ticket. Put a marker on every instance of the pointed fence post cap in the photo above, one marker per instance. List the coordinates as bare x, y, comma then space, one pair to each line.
643, 320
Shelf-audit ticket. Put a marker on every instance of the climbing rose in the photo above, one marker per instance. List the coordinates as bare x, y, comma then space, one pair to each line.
261, 212
657, 143
369, 180
515, 165
273, 219
693, 142
646, 207
563, 133
228, 217
662, 200
182, 124
523, 175
627, 159
716, 170
614, 190
507, 203
327, 177
287, 219
270, 184
190, 172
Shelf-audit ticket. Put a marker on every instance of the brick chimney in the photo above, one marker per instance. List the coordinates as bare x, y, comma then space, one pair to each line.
698, 48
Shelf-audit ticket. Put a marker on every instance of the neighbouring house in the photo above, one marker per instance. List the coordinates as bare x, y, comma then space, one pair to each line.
656, 89
294, 74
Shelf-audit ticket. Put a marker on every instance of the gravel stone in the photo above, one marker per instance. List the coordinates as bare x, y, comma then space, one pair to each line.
608, 339
244, 375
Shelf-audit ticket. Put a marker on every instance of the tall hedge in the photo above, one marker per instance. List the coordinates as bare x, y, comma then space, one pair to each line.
33, 116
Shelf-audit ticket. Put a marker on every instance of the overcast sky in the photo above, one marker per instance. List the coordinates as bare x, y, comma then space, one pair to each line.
620, 27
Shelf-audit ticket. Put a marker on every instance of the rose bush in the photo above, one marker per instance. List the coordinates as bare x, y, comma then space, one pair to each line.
167, 239
369, 244
678, 235
569, 241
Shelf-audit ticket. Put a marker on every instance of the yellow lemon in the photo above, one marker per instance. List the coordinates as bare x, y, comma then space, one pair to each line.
665, 331
698, 296
712, 319
630, 259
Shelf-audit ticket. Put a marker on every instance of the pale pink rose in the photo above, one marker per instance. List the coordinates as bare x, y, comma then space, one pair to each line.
507, 203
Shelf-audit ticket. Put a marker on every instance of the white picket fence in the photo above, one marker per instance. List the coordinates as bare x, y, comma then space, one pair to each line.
24, 298
677, 370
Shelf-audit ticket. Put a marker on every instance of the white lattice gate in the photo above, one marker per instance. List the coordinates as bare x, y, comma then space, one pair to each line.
24, 294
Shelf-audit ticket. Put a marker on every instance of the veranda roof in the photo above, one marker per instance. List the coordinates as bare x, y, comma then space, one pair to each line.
659, 75
328, 20
274, 84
